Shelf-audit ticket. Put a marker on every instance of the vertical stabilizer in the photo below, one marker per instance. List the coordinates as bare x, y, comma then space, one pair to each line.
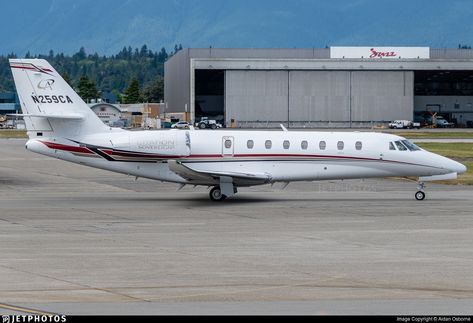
49, 104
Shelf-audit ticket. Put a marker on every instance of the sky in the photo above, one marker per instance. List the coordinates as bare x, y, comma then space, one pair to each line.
106, 26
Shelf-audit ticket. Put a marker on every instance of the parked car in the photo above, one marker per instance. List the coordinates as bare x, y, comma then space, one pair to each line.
181, 125
442, 123
118, 124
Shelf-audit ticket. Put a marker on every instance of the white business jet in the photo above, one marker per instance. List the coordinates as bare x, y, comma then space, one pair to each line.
61, 125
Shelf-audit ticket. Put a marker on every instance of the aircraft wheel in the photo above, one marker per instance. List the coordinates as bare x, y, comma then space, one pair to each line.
216, 194
420, 195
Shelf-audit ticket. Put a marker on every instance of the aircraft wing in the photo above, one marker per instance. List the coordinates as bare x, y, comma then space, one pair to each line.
210, 176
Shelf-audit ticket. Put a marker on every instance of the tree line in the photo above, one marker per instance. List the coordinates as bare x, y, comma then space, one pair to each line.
132, 75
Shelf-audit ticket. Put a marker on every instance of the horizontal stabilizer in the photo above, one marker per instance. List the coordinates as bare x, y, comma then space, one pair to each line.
71, 116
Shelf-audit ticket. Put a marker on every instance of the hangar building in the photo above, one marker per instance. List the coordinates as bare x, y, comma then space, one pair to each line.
320, 87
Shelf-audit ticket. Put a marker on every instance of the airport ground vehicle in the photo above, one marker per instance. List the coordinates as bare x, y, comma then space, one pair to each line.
205, 122
432, 119
6, 123
61, 125
404, 124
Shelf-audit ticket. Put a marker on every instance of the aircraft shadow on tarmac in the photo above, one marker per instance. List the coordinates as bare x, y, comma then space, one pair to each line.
202, 200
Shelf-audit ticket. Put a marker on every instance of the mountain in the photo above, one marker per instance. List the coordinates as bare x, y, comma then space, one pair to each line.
106, 26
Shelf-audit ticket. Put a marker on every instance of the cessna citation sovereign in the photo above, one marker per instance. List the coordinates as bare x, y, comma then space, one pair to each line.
61, 125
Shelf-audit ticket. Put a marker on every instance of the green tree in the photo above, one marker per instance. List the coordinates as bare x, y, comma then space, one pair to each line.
87, 89
83, 89
132, 93
67, 78
80, 55
144, 51
110, 73
94, 94
154, 91
119, 96
163, 55
463, 46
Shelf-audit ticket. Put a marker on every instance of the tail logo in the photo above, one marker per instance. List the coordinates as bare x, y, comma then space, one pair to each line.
46, 84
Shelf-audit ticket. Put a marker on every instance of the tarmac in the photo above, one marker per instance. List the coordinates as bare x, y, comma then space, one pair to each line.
77, 240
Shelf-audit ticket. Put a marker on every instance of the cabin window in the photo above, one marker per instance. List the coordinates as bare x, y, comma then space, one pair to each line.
304, 144
228, 143
358, 145
286, 144
250, 144
268, 144
340, 145
400, 146
322, 145
391, 146
410, 145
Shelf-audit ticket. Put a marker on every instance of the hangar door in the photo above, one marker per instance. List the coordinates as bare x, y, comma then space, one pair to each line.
350, 98
305, 98
256, 97
319, 96
382, 95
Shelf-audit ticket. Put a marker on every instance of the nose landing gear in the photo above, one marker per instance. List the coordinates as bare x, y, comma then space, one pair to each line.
420, 195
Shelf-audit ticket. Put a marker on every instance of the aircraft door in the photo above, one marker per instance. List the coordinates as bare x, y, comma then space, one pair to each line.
227, 146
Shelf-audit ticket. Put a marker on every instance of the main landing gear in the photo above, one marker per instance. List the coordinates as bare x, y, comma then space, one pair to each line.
221, 192
216, 194
420, 195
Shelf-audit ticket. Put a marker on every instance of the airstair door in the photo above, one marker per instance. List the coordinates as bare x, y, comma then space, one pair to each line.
227, 146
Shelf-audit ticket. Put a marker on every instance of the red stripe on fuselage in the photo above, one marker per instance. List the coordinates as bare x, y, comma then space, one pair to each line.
216, 157
303, 155
75, 149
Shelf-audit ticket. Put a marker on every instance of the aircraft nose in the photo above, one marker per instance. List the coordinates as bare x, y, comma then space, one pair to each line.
447, 164
457, 167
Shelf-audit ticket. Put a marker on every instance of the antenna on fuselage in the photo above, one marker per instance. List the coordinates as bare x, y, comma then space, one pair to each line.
282, 127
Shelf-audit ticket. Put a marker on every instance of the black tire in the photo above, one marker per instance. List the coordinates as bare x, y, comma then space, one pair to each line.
216, 194
202, 126
420, 195
213, 126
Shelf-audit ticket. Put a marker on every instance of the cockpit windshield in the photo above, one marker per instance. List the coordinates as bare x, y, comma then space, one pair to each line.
410, 145
400, 146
